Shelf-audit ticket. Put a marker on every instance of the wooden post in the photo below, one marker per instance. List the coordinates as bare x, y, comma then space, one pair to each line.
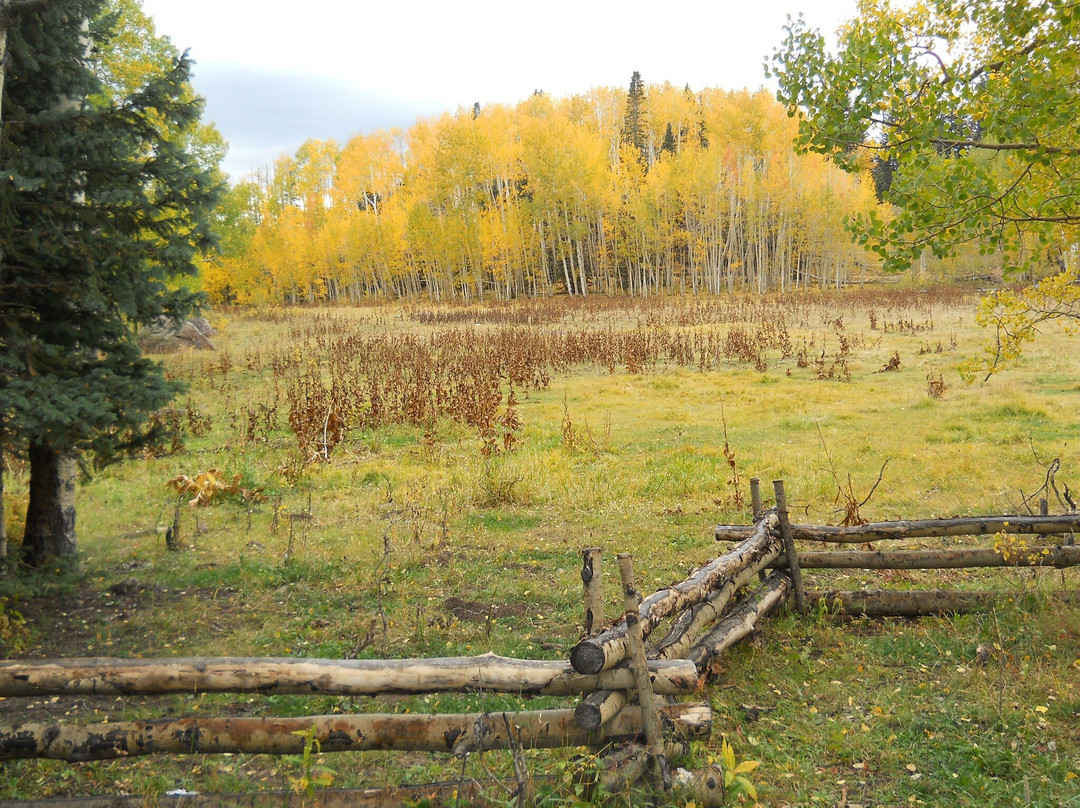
654, 741
755, 504
594, 589
789, 545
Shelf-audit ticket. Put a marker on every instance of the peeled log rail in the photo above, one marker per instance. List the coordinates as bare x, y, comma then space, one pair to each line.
350, 677
466, 792
595, 654
335, 733
742, 619
917, 603
918, 528
1059, 556
688, 627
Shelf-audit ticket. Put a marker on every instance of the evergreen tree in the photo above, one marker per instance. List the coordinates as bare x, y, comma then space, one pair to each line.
99, 209
669, 143
634, 130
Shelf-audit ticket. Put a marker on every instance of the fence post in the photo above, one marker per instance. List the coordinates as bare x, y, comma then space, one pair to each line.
755, 504
654, 741
593, 584
789, 545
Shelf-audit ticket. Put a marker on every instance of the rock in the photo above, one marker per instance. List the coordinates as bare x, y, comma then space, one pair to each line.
169, 336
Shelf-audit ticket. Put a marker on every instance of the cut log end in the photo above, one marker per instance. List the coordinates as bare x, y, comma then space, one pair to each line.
588, 657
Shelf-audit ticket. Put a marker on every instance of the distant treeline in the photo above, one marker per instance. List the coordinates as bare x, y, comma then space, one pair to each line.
649, 191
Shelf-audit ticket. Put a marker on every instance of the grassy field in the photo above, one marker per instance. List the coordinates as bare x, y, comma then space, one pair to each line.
388, 488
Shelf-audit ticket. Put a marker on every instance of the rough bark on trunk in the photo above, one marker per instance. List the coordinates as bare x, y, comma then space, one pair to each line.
50, 514
457, 734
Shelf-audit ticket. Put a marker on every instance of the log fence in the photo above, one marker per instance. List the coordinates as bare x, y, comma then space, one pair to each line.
629, 693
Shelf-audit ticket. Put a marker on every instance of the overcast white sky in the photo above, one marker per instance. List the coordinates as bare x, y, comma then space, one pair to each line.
277, 73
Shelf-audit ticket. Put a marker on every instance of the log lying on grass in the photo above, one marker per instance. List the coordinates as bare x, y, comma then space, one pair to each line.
1051, 556
458, 734
595, 654
916, 603
351, 677
464, 792
919, 528
742, 619
629, 763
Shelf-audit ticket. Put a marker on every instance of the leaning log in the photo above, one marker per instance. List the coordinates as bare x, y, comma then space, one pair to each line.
596, 654
919, 528
331, 677
689, 626
335, 733
917, 603
598, 708
1059, 556
742, 620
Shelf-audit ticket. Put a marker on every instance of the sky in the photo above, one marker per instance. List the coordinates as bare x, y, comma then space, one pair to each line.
275, 74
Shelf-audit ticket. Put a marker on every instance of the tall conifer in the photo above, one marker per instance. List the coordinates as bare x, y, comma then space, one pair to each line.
99, 209
634, 129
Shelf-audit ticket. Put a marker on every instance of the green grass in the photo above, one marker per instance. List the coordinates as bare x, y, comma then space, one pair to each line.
373, 545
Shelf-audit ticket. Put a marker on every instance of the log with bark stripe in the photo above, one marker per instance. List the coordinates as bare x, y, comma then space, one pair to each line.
335, 733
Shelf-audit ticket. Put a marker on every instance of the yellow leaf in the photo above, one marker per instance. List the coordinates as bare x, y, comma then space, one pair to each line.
747, 766
728, 755
1041, 708
749, 788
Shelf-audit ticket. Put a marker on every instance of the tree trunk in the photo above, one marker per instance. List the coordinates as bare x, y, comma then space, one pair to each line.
50, 514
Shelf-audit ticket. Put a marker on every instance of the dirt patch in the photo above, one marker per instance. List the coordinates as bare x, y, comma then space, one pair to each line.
477, 612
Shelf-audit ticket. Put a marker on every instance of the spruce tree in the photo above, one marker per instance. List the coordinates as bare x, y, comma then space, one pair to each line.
634, 130
100, 207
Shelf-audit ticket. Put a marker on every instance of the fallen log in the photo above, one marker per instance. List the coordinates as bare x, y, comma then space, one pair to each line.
918, 528
349, 677
916, 603
628, 764
1059, 556
742, 620
595, 654
432, 794
335, 733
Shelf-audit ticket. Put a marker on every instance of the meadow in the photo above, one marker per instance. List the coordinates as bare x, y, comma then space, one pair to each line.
414, 480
